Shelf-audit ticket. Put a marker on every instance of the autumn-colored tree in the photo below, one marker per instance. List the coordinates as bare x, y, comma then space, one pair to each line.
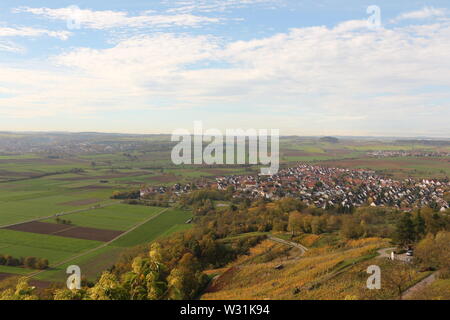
108, 287
350, 228
22, 291
396, 277
434, 251
66, 294
146, 280
295, 222
186, 279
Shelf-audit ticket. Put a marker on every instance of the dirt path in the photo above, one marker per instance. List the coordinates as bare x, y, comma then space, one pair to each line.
289, 243
383, 253
420, 285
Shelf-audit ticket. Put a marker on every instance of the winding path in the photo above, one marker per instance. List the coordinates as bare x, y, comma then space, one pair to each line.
289, 243
407, 294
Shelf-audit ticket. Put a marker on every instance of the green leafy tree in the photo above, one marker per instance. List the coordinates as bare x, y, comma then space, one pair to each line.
419, 225
405, 232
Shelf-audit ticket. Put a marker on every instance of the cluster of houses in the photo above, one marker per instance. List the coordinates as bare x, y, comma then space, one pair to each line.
395, 154
327, 187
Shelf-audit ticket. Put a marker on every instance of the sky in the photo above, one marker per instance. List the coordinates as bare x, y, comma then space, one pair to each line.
322, 67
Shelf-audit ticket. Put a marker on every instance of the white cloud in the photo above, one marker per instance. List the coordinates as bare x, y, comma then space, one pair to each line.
32, 32
9, 46
373, 82
12, 32
186, 6
107, 19
424, 13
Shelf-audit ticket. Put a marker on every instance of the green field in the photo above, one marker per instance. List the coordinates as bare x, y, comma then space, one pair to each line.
53, 248
117, 217
155, 228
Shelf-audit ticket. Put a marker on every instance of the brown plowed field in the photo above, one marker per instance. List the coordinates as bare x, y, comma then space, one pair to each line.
67, 231
39, 227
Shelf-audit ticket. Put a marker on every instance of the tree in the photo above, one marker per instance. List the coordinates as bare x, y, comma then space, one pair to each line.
350, 228
405, 232
22, 291
146, 280
295, 222
434, 252
318, 225
186, 280
30, 262
107, 288
397, 278
66, 294
419, 225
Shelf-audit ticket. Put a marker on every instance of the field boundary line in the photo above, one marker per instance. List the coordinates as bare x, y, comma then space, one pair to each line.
103, 245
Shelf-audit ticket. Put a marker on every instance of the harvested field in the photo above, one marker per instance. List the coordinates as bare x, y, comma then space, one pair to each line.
39, 227
79, 202
3, 276
67, 231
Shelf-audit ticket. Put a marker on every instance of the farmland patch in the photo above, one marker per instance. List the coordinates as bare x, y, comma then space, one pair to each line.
80, 202
67, 231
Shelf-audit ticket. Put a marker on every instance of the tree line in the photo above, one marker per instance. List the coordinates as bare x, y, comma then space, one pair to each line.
27, 262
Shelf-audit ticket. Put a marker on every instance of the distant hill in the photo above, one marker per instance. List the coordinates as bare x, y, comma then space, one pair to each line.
428, 142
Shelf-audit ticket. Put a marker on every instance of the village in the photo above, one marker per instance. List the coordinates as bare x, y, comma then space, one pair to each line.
327, 187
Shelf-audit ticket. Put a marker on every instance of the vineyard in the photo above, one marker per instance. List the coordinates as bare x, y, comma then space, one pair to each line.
321, 273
